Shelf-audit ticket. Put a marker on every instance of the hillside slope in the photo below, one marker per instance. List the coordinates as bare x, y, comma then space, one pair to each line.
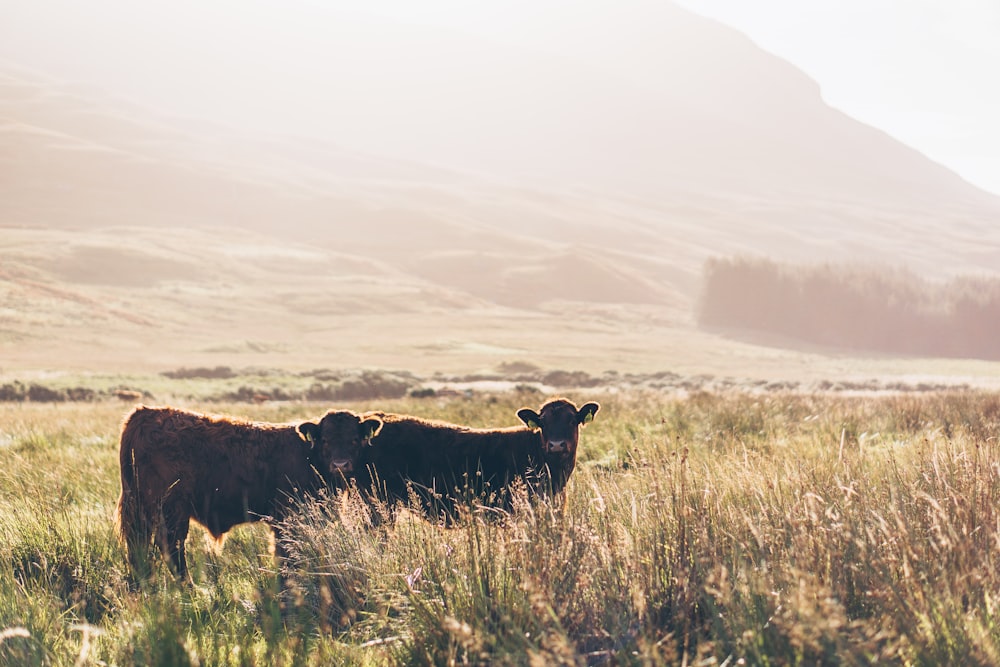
573, 179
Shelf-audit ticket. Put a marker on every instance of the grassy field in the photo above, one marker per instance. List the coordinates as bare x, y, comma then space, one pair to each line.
709, 529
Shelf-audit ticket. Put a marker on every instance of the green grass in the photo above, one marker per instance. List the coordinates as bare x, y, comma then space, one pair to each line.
712, 529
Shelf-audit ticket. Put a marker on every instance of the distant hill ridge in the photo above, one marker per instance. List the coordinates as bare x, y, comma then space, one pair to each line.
581, 169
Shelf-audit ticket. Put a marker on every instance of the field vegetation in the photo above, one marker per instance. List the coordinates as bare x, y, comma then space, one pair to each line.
700, 528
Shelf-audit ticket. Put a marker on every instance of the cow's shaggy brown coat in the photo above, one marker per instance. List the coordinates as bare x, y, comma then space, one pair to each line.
219, 471
441, 463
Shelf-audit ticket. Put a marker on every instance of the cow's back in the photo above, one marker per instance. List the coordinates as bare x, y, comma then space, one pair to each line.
222, 471
448, 459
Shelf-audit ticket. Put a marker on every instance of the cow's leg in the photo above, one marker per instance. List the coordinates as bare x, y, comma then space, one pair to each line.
171, 535
179, 554
280, 554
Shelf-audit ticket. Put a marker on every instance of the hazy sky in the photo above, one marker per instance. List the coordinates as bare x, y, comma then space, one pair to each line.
925, 71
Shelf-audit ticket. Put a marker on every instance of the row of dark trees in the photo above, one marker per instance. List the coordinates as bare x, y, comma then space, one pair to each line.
857, 308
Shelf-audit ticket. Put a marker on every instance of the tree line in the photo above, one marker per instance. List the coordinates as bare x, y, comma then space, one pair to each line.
854, 307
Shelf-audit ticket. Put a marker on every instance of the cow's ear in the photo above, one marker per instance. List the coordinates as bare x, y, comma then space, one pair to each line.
370, 428
308, 431
530, 418
587, 412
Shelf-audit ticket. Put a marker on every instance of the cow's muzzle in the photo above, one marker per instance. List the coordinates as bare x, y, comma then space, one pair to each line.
557, 447
344, 466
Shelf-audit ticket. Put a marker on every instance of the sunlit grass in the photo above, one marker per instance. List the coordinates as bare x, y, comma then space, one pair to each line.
773, 529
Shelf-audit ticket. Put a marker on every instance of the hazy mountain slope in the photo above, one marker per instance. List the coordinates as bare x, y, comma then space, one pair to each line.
72, 161
601, 155
377, 192
763, 120
637, 97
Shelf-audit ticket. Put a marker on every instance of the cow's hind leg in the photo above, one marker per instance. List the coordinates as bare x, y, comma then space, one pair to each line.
134, 529
179, 554
171, 535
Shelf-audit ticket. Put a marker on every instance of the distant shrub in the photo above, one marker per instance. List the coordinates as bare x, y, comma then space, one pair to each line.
570, 379
517, 368
13, 392
858, 308
42, 394
475, 377
247, 394
126, 394
17, 392
365, 386
423, 392
217, 373
324, 375
85, 394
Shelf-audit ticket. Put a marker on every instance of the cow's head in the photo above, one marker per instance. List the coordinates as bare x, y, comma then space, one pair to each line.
559, 422
337, 440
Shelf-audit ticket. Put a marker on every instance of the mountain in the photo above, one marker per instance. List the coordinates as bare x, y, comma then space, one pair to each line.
639, 98
281, 178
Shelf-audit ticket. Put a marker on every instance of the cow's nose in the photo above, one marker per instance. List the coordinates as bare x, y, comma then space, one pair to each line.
342, 466
557, 445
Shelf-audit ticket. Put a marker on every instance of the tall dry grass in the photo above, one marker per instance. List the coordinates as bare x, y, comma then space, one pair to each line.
709, 529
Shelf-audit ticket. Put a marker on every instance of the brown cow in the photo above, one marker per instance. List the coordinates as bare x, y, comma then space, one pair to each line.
444, 462
221, 472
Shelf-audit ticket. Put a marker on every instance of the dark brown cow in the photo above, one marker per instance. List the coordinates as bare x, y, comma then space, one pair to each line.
221, 472
444, 462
